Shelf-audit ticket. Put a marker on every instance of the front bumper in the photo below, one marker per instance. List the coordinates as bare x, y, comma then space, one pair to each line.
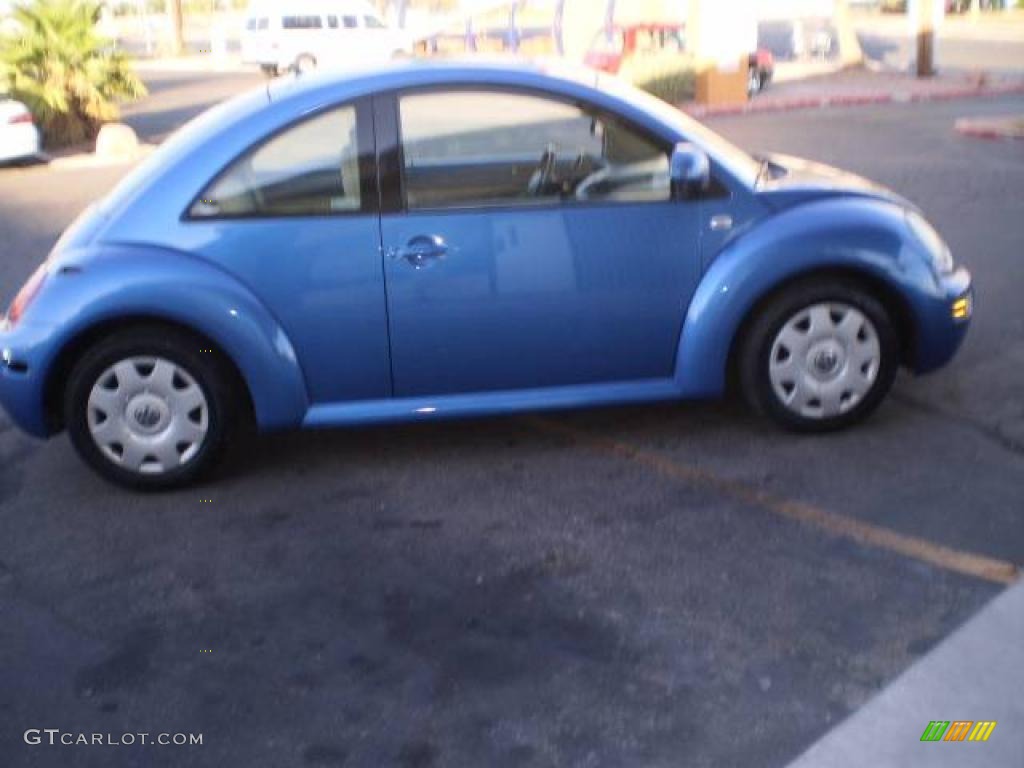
943, 319
22, 377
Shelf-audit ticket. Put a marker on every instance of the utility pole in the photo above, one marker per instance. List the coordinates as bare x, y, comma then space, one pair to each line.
925, 38
177, 30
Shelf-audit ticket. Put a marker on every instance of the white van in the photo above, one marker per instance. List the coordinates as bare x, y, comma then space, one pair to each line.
301, 35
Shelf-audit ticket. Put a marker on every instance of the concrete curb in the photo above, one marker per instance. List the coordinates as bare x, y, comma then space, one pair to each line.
991, 128
851, 100
977, 673
92, 160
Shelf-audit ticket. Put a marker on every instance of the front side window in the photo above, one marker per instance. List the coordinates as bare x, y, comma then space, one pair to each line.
311, 169
478, 148
372, 22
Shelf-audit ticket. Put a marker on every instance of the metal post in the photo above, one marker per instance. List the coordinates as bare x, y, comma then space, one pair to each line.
925, 38
558, 28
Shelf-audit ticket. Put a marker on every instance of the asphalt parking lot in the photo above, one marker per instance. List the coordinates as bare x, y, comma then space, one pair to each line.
661, 586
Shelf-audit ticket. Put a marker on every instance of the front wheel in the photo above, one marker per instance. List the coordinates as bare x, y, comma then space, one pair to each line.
149, 408
753, 82
820, 356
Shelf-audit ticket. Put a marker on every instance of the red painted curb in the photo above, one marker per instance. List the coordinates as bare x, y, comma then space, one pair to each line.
850, 100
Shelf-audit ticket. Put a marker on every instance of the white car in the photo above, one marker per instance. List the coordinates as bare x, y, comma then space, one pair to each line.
302, 35
19, 137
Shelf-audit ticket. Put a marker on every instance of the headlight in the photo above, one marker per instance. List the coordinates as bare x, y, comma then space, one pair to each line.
931, 241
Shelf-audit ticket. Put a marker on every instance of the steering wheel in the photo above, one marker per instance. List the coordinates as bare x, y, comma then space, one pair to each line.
543, 179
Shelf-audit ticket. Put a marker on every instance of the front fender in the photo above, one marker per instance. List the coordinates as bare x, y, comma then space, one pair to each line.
853, 234
89, 288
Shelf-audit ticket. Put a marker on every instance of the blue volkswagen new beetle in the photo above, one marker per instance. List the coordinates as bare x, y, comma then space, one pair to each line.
442, 240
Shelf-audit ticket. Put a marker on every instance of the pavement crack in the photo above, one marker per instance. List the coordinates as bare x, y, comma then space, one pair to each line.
992, 434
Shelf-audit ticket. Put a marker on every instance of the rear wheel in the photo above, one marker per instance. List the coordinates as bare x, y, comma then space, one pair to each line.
304, 64
820, 356
149, 408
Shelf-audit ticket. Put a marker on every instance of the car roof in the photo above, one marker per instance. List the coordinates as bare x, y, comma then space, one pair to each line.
413, 73
198, 151
299, 7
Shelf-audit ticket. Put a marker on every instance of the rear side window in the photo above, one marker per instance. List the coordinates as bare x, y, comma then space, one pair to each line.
302, 22
351, 22
311, 169
332, 21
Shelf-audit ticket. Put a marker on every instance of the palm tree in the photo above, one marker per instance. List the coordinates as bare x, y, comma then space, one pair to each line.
55, 61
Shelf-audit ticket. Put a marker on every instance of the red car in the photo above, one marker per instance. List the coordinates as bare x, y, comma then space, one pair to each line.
613, 46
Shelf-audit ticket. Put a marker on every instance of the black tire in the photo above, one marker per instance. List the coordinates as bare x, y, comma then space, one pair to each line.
756, 348
205, 367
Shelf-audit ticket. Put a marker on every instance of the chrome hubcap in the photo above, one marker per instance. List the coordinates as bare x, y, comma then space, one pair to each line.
148, 415
824, 360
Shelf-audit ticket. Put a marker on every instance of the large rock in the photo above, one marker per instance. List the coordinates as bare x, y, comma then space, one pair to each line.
117, 141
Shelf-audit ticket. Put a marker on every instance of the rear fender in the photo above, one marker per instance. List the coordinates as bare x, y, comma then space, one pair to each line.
86, 290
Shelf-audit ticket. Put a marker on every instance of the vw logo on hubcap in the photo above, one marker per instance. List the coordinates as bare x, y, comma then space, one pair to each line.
147, 416
826, 360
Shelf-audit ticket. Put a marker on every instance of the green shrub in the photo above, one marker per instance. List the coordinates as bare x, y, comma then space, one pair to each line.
665, 77
54, 60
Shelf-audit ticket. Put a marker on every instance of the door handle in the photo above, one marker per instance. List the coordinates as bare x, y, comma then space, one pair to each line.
421, 250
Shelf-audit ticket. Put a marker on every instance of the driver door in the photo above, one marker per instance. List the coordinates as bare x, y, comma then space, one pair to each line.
535, 244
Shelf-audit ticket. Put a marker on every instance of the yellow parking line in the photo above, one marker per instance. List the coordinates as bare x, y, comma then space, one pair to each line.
833, 523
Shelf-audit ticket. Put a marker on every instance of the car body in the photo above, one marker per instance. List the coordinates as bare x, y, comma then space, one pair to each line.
19, 136
619, 43
444, 239
308, 34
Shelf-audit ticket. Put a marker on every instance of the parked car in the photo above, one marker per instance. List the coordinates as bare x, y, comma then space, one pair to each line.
951, 6
614, 46
437, 240
301, 36
19, 137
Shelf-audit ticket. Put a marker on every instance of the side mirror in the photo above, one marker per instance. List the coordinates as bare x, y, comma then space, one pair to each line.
690, 170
